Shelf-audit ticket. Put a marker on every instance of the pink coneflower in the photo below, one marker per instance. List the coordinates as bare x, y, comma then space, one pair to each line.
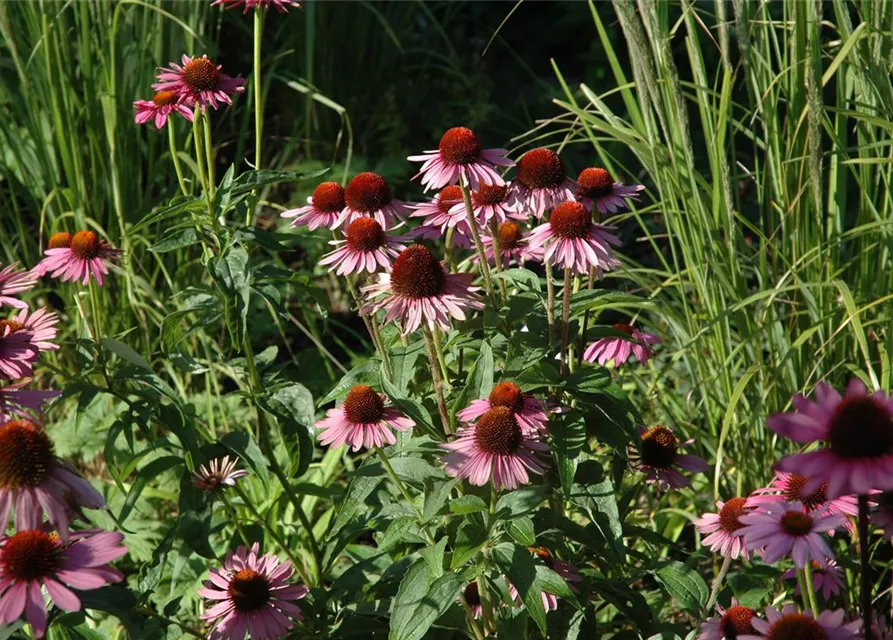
574, 242
366, 247
783, 529
496, 449
418, 289
531, 414
219, 473
362, 420
36, 558
77, 257
323, 208
620, 349
368, 194
858, 430
789, 624
659, 453
14, 282
437, 213
280, 5
198, 81
22, 338
460, 156
488, 202
731, 623
253, 596
472, 598
15, 400
788, 487
722, 528
596, 187
162, 105
828, 580
883, 517
512, 246
541, 183
33, 481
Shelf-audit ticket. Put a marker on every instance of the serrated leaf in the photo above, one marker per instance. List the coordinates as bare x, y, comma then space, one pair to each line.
467, 504
177, 240
470, 538
684, 584
521, 531
366, 373
518, 565
361, 487
436, 496
520, 502
420, 602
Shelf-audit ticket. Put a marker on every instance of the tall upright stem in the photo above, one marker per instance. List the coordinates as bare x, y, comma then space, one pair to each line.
372, 328
550, 302
209, 153
199, 159
258, 98
172, 142
565, 319
865, 561
438, 381
476, 234
810, 586
497, 257
717, 582
393, 474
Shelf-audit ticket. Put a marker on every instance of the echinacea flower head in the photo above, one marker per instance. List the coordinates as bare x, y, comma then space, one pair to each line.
596, 188
720, 528
460, 156
780, 529
619, 349
494, 449
858, 431
731, 623
362, 420
323, 208
368, 194
251, 594
489, 202
162, 105
23, 337
790, 624
13, 282
280, 5
77, 257
34, 559
418, 289
33, 481
658, 454
883, 516
788, 487
218, 473
531, 414
17, 401
512, 246
438, 212
541, 184
472, 598
366, 247
827, 580
573, 241
197, 80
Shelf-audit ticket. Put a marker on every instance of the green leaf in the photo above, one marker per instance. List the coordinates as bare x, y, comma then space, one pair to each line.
223, 194
568, 433
231, 275
520, 502
518, 565
366, 373
293, 401
467, 504
521, 531
251, 180
148, 473
177, 240
420, 602
470, 538
434, 555
360, 489
243, 444
126, 352
401, 530
523, 278
436, 496
403, 364
600, 503
684, 584
415, 469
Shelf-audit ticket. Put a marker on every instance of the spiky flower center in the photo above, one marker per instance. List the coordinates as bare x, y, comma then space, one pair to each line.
594, 182
165, 98
796, 523
417, 273
489, 194
200, 74
793, 492
248, 590
621, 326
328, 197
365, 234
26, 454
497, 432
459, 145
541, 169
796, 626
570, 220
367, 192
730, 512
659, 447
861, 427
30, 555
471, 594
736, 621
509, 235
540, 552
448, 198
61, 240
363, 405
507, 394
9, 327
85, 245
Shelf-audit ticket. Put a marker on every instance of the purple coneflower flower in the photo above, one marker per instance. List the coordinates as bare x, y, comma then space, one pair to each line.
77, 257
573, 241
620, 349
788, 487
366, 247
828, 580
323, 208
512, 246
659, 453
596, 187
722, 528
368, 194
783, 529
14, 282
531, 414
789, 623
494, 448
220, 472
472, 598
858, 430
162, 105
541, 183
731, 624
22, 338
197, 80
253, 596
15, 400
418, 289
362, 420
438, 215
488, 202
280, 5
460, 156
32, 559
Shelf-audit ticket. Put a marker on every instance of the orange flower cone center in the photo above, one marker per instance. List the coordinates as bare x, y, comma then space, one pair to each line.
200, 74
30, 555
570, 220
367, 192
417, 273
85, 245
541, 169
26, 454
329, 197
497, 432
459, 145
248, 590
363, 405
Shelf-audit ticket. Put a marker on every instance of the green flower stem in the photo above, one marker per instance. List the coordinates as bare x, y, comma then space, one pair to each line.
387, 465
472, 623
565, 319
235, 516
486, 605
258, 97
448, 253
172, 142
804, 589
438, 382
199, 160
589, 286
372, 328
478, 245
209, 153
497, 257
550, 302
438, 349
717, 582
810, 587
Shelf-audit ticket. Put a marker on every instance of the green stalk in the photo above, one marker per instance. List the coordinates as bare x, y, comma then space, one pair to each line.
497, 257
807, 574
438, 382
199, 160
717, 582
209, 153
393, 474
476, 234
172, 142
565, 319
550, 302
372, 328
258, 98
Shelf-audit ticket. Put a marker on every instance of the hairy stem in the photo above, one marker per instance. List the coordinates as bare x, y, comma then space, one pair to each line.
172, 142
717, 582
478, 245
258, 98
810, 587
438, 382
565, 319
